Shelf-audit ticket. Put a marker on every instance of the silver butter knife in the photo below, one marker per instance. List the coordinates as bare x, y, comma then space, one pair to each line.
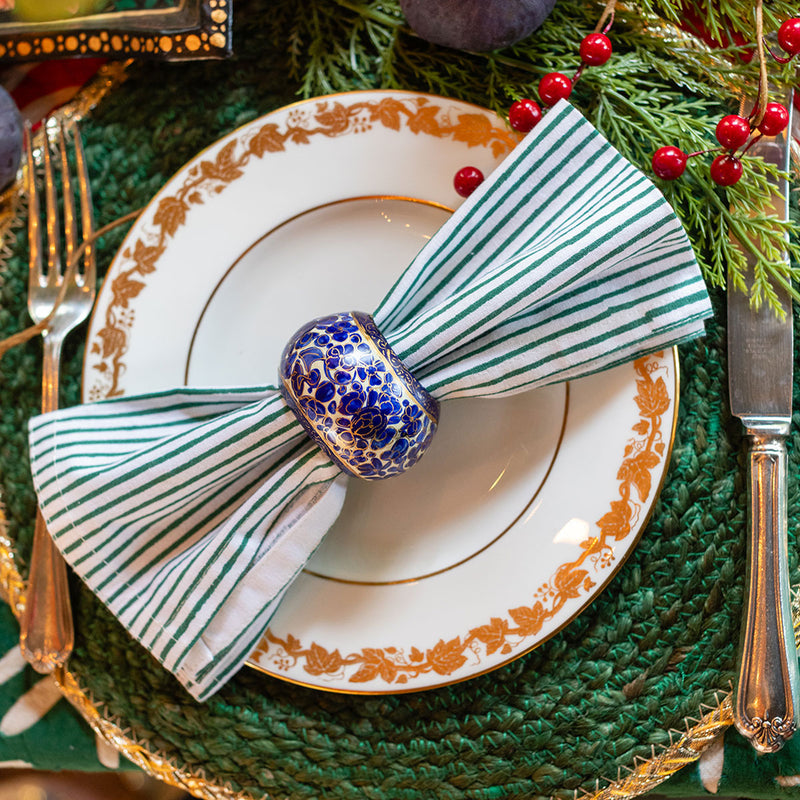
760, 358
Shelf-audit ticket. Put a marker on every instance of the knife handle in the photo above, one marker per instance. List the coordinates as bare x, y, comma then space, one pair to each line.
765, 709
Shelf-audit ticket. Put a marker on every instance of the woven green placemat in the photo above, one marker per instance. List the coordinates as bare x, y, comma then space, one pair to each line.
656, 645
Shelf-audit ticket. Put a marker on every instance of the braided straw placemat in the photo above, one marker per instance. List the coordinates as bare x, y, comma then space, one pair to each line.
632, 690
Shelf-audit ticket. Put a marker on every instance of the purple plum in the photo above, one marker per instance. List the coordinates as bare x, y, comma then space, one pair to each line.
10, 138
476, 25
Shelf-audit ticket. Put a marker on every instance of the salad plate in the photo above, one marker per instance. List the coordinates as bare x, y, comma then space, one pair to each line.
523, 508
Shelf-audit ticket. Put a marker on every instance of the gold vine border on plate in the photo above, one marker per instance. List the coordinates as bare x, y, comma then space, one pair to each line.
331, 118
644, 776
504, 635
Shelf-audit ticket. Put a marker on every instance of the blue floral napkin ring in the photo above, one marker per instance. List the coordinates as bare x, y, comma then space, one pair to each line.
354, 397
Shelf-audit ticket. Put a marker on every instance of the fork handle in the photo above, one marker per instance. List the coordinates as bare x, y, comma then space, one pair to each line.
46, 629
765, 710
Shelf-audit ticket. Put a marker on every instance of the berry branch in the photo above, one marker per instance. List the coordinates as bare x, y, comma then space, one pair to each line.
735, 131
664, 84
524, 114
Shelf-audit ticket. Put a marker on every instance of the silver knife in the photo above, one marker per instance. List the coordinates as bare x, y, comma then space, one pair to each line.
760, 358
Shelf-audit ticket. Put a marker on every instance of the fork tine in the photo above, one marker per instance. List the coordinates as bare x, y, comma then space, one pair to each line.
34, 224
70, 229
51, 216
87, 220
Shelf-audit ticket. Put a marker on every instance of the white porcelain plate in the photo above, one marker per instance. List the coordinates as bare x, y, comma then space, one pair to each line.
523, 508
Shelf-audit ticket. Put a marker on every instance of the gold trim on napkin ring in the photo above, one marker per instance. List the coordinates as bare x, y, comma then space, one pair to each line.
355, 398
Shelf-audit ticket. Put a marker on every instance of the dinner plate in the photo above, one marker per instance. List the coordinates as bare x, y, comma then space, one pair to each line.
523, 508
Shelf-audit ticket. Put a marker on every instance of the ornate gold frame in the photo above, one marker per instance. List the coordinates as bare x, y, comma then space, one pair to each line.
194, 29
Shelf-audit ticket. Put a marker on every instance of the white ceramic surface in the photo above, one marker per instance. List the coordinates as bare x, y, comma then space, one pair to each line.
523, 508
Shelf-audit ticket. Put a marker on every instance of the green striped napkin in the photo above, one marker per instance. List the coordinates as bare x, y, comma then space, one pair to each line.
190, 511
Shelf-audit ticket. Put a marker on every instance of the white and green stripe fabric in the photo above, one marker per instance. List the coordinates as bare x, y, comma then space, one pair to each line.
189, 512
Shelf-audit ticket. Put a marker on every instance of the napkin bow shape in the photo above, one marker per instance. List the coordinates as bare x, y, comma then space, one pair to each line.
189, 512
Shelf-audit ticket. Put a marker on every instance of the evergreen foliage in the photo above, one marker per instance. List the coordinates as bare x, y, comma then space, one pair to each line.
662, 86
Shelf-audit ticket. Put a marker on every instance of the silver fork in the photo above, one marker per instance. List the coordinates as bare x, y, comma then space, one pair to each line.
46, 636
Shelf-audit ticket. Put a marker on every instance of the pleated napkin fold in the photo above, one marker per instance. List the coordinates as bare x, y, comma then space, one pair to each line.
189, 512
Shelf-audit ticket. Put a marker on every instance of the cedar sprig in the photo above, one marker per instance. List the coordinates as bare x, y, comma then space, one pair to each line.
662, 86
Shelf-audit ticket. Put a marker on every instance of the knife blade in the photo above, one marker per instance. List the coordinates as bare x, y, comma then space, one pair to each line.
760, 359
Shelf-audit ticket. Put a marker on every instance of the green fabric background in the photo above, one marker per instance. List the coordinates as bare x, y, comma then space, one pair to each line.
61, 739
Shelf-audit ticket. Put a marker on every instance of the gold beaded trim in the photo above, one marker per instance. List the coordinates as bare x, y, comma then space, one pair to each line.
12, 591
647, 774
155, 765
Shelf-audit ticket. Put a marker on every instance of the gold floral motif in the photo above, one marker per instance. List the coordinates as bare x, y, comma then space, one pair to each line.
511, 634
331, 118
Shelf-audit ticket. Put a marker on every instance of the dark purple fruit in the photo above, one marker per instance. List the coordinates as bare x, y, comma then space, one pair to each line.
10, 138
476, 25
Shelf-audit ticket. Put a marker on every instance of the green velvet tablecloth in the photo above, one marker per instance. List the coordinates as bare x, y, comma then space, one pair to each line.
650, 659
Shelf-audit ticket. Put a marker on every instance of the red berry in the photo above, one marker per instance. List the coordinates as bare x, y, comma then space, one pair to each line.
524, 115
553, 87
776, 118
595, 49
467, 180
733, 131
669, 162
789, 36
726, 170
